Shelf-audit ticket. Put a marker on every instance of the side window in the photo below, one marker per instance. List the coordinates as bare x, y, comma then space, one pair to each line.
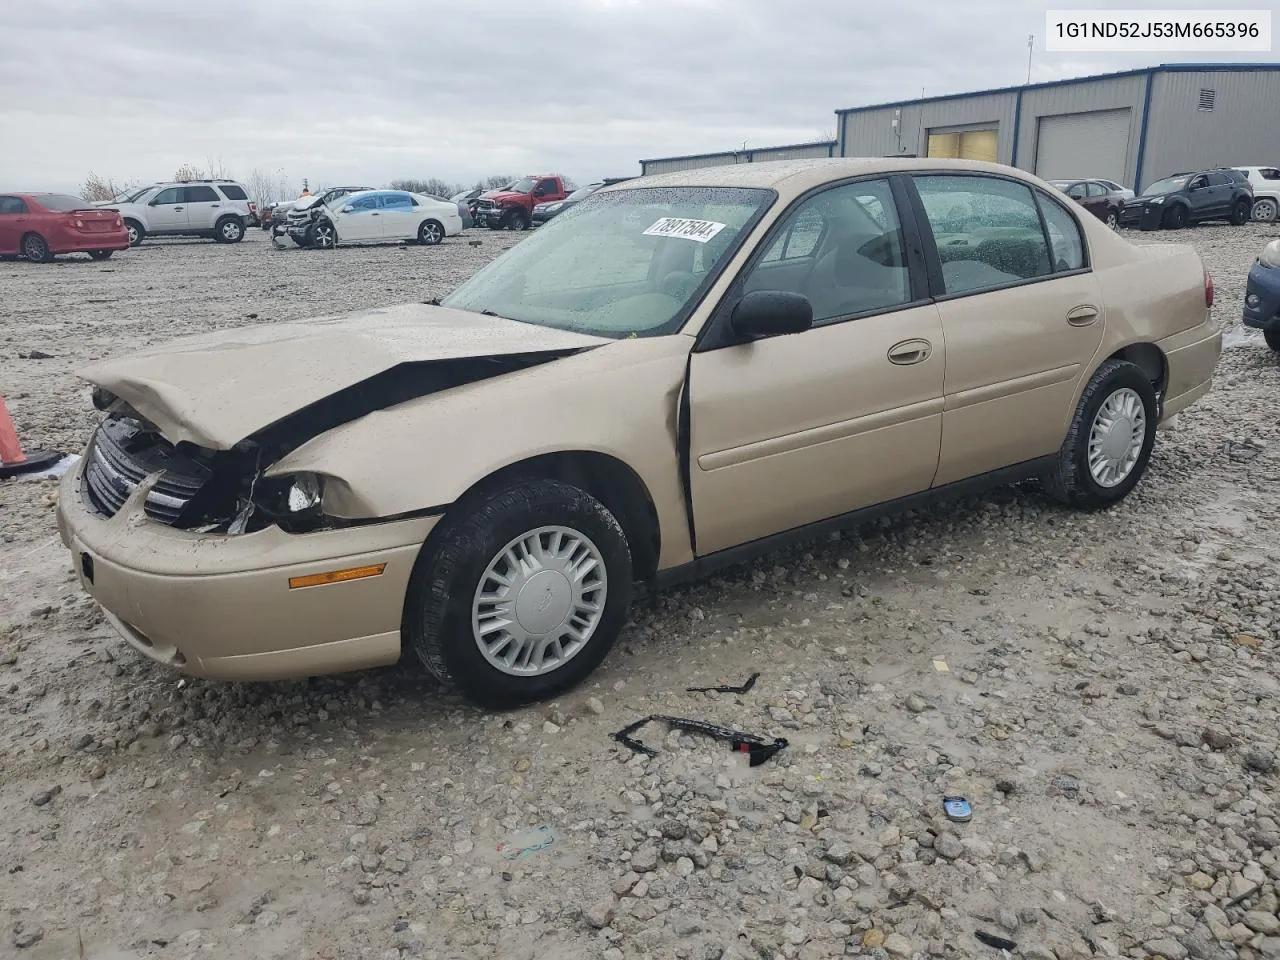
366, 203
1078, 191
987, 231
396, 201
200, 195
232, 191
1064, 235
1198, 182
13, 205
1269, 173
545, 187
1097, 190
168, 195
1219, 180
843, 249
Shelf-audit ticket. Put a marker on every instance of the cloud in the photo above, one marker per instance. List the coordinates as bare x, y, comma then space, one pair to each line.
339, 90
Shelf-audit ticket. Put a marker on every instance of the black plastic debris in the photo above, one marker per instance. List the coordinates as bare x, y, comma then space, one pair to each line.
991, 940
744, 688
758, 748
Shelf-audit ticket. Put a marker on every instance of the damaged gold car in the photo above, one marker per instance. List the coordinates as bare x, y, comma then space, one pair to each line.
680, 372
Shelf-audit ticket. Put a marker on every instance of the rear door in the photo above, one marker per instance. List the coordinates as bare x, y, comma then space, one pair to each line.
167, 212
1021, 316
398, 216
13, 219
791, 430
204, 206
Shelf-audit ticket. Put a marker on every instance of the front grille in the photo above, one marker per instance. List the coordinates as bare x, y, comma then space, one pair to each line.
485, 205
122, 454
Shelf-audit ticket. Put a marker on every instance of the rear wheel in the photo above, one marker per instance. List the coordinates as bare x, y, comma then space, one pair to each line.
1113, 219
1175, 217
100, 254
1273, 339
228, 230
430, 233
1110, 438
1240, 212
521, 595
1264, 210
137, 233
36, 249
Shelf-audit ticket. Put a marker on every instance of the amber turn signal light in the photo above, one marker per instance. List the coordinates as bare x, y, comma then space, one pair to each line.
337, 576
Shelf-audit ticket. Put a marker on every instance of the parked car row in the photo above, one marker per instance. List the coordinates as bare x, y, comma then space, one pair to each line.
217, 209
1236, 194
345, 215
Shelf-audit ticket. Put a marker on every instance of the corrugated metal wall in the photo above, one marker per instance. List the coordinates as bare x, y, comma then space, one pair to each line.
870, 133
673, 164
1084, 97
802, 151
1242, 128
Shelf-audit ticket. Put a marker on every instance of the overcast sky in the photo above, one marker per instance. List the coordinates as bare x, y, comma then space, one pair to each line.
371, 90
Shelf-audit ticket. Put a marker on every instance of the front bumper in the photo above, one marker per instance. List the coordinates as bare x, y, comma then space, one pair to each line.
1262, 298
219, 606
485, 218
1143, 216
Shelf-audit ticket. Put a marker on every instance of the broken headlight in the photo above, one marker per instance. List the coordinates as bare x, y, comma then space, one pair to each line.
304, 494
291, 502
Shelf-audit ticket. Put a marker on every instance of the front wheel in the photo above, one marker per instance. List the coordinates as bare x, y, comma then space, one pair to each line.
228, 230
324, 236
1273, 339
430, 233
1241, 212
518, 220
1175, 217
1110, 438
520, 596
100, 254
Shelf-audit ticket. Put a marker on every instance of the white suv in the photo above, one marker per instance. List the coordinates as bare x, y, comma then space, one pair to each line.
195, 208
1266, 191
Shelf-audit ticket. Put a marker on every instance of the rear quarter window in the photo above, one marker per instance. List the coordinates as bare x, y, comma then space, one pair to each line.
233, 192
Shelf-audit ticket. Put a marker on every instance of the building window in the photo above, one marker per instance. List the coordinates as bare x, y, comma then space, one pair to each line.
1206, 99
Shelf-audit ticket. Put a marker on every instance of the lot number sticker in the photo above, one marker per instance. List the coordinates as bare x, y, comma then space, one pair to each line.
697, 230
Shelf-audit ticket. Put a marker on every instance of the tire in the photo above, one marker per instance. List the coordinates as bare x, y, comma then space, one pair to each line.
1071, 481
36, 249
323, 235
1241, 212
1265, 210
430, 233
137, 232
1273, 339
228, 230
442, 604
100, 254
517, 220
1112, 219
1175, 218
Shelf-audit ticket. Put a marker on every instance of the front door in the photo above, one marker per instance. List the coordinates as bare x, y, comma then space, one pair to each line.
1022, 317
795, 429
13, 219
1200, 197
363, 222
167, 211
204, 206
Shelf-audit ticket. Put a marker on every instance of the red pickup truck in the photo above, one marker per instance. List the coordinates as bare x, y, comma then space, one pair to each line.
512, 206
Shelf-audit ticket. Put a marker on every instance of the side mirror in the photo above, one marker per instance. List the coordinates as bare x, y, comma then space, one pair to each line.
348, 209
771, 313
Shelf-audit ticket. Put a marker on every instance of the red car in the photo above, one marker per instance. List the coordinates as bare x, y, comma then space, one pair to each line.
1096, 197
39, 226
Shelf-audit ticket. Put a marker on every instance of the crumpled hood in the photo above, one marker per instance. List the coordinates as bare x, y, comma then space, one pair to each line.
497, 196
214, 390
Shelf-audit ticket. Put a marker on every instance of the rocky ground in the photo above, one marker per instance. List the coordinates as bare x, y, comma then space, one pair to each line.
1101, 687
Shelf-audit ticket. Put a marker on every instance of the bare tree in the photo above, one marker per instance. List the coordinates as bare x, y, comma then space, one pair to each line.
188, 171
433, 186
216, 169
263, 188
495, 182
102, 188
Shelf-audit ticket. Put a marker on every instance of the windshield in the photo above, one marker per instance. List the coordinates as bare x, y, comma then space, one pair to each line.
523, 185
1167, 185
459, 197
621, 264
129, 196
62, 203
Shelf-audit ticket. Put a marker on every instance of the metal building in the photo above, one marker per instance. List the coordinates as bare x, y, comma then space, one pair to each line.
1133, 127
790, 151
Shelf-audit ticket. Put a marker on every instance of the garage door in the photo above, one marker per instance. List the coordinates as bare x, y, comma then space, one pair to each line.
1083, 145
965, 145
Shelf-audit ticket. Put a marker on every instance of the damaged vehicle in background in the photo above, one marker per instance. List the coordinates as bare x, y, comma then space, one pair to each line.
686, 372
376, 216
1262, 295
298, 221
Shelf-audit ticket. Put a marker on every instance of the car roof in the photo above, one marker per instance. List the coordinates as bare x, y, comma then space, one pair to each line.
792, 177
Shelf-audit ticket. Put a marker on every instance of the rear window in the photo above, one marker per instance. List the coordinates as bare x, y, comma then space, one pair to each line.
62, 203
200, 195
233, 192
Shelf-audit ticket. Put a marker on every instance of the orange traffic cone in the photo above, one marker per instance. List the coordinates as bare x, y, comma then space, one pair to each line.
12, 460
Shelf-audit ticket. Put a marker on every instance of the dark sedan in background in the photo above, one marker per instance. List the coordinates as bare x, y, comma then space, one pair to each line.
543, 212
1099, 198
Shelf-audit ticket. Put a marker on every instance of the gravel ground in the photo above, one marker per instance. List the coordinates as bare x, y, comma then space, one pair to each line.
1102, 687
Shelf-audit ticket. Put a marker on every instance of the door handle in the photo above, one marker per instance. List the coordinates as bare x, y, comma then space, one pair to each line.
176, 209
1082, 316
215, 205
910, 351
373, 214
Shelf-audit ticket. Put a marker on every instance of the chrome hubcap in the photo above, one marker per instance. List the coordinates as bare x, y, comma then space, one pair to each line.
133, 234
1264, 210
430, 233
539, 601
1116, 437
324, 237
1112, 220
230, 231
